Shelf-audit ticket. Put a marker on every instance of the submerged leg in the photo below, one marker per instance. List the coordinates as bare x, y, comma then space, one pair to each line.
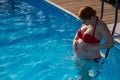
82, 69
85, 68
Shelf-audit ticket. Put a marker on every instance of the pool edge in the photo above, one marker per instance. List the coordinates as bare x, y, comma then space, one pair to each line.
65, 10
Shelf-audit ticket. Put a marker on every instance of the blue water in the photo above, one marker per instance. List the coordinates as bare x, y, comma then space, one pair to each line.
36, 43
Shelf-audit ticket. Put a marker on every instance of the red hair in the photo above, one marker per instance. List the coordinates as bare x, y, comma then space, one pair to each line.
86, 13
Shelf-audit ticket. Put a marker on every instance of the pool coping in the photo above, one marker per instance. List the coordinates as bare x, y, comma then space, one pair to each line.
116, 35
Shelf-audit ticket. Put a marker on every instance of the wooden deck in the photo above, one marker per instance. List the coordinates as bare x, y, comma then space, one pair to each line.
74, 5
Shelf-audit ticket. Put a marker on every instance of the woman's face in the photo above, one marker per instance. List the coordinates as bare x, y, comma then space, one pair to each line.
86, 21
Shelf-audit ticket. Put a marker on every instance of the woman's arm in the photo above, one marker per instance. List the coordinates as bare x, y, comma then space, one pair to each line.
104, 31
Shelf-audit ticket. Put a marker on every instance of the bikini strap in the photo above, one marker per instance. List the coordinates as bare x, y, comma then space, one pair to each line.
95, 26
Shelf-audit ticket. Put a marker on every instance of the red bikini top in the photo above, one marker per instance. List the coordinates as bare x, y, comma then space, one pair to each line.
87, 37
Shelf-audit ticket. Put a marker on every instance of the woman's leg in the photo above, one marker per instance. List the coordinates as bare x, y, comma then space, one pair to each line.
82, 69
84, 66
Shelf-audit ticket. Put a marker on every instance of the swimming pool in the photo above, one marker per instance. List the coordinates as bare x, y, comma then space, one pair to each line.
36, 43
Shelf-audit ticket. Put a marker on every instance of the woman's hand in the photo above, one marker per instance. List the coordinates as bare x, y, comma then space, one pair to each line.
75, 45
75, 48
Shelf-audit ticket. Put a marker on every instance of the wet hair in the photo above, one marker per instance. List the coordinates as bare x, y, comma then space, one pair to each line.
86, 13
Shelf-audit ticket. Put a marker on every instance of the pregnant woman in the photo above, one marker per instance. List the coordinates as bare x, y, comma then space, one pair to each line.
86, 43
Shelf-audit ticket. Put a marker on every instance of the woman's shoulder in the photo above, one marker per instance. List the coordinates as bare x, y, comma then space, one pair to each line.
102, 27
101, 24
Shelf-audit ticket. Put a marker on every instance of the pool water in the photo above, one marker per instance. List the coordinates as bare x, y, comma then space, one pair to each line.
36, 43
111, 67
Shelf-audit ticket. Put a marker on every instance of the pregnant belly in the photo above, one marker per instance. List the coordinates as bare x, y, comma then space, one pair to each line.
82, 52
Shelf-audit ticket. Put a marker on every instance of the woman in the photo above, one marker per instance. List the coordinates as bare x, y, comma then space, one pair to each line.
86, 43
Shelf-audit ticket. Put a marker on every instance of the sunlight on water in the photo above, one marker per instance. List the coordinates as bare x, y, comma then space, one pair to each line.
36, 44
